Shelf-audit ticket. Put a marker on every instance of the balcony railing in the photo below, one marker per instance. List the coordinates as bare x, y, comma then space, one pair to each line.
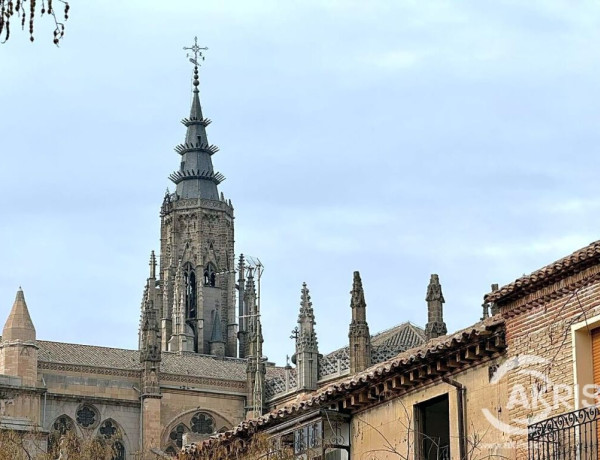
573, 435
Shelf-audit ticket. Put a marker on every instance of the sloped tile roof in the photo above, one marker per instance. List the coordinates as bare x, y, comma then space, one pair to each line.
275, 380
573, 263
191, 364
384, 345
203, 366
405, 336
328, 394
88, 355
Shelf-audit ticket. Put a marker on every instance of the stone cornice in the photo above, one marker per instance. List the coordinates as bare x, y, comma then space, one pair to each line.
15, 343
89, 369
238, 384
94, 399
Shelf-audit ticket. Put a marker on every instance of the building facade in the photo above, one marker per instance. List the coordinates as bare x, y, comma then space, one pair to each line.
523, 383
199, 368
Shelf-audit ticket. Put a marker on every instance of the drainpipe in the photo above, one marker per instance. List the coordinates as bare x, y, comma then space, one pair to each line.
141, 441
461, 396
45, 396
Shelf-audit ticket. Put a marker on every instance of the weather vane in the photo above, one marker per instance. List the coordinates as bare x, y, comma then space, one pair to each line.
196, 50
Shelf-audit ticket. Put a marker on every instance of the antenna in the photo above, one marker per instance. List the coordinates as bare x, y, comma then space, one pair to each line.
252, 267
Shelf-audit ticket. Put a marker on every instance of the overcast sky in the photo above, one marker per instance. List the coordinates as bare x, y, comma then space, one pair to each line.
398, 138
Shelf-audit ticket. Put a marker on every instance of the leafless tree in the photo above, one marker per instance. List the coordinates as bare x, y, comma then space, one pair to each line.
24, 13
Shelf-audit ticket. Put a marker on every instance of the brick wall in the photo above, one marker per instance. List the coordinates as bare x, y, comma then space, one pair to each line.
539, 324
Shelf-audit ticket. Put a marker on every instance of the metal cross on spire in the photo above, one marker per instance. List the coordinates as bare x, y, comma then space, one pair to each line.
196, 50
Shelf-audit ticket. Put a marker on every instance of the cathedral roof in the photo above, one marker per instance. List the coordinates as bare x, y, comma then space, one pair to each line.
191, 364
406, 335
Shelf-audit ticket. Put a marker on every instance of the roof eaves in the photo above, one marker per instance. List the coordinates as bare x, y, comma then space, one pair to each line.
557, 270
338, 389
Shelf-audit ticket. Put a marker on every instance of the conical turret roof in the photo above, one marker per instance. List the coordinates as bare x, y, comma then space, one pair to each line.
19, 326
196, 177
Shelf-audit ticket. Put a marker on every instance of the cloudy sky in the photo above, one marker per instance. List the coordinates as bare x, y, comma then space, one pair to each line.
398, 138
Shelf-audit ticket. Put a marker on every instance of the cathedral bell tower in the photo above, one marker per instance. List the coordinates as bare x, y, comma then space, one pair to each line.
196, 301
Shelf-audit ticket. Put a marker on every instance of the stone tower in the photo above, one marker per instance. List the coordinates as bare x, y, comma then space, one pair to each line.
360, 339
435, 315
18, 347
197, 281
307, 350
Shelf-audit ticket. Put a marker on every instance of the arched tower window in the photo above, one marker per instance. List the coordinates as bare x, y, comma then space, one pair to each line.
189, 277
210, 275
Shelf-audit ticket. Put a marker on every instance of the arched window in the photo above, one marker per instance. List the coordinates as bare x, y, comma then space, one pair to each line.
210, 275
110, 433
61, 427
177, 434
203, 423
190, 292
108, 429
63, 424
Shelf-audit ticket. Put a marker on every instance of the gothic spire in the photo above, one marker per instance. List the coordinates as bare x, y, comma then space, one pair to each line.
307, 350
307, 337
150, 347
306, 311
436, 326
360, 338
196, 177
357, 303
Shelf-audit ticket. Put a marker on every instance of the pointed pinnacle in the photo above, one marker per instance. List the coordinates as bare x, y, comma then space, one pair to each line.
358, 295
306, 310
152, 265
434, 290
305, 297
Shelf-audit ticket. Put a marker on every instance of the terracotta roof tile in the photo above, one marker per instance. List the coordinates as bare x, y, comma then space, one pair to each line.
573, 263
